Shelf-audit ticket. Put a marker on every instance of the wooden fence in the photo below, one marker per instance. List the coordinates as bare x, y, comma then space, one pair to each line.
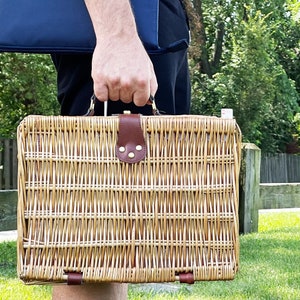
280, 168
8, 164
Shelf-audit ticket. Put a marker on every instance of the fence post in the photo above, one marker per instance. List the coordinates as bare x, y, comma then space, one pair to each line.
249, 188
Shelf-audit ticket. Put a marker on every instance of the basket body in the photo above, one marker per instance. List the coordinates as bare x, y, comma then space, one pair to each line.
82, 210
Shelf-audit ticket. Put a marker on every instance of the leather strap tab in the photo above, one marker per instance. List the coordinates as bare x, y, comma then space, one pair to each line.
187, 278
74, 278
131, 146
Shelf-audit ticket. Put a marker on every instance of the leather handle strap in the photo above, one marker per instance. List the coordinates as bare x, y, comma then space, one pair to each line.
131, 145
91, 110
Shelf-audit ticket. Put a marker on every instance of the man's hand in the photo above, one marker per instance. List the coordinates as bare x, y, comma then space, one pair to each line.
121, 68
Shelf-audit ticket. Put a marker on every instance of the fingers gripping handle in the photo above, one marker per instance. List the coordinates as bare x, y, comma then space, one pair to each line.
91, 110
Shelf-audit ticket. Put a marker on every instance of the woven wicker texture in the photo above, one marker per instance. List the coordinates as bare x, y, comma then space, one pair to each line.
82, 210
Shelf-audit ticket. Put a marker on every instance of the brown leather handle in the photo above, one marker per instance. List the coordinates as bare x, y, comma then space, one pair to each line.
91, 110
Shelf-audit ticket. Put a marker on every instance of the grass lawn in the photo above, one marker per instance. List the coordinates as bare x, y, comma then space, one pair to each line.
269, 269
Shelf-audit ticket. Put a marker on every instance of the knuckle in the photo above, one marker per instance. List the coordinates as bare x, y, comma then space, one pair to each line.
142, 83
113, 95
114, 81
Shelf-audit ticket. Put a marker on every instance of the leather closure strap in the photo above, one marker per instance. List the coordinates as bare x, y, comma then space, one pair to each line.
131, 146
74, 278
187, 278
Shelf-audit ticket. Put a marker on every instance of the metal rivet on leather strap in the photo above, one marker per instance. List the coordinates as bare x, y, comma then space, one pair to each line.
139, 148
131, 155
122, 149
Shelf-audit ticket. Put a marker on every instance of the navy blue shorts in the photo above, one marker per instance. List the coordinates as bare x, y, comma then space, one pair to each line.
75, 85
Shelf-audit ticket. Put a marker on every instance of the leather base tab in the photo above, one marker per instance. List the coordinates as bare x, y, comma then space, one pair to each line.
74, 278
186, 278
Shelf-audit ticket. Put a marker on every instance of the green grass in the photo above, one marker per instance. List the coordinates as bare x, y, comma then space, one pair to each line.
10, 287
269, 269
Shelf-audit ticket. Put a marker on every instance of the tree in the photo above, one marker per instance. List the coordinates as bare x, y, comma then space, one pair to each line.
238, 60
27, 86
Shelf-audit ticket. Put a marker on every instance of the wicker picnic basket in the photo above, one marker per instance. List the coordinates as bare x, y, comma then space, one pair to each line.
97, 207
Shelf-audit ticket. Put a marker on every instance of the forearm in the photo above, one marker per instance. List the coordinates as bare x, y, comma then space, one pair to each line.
112, 19
121, 67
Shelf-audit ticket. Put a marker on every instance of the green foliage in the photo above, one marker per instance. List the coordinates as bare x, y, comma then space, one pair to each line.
294, 6
296, 124
27, 86
258, 76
